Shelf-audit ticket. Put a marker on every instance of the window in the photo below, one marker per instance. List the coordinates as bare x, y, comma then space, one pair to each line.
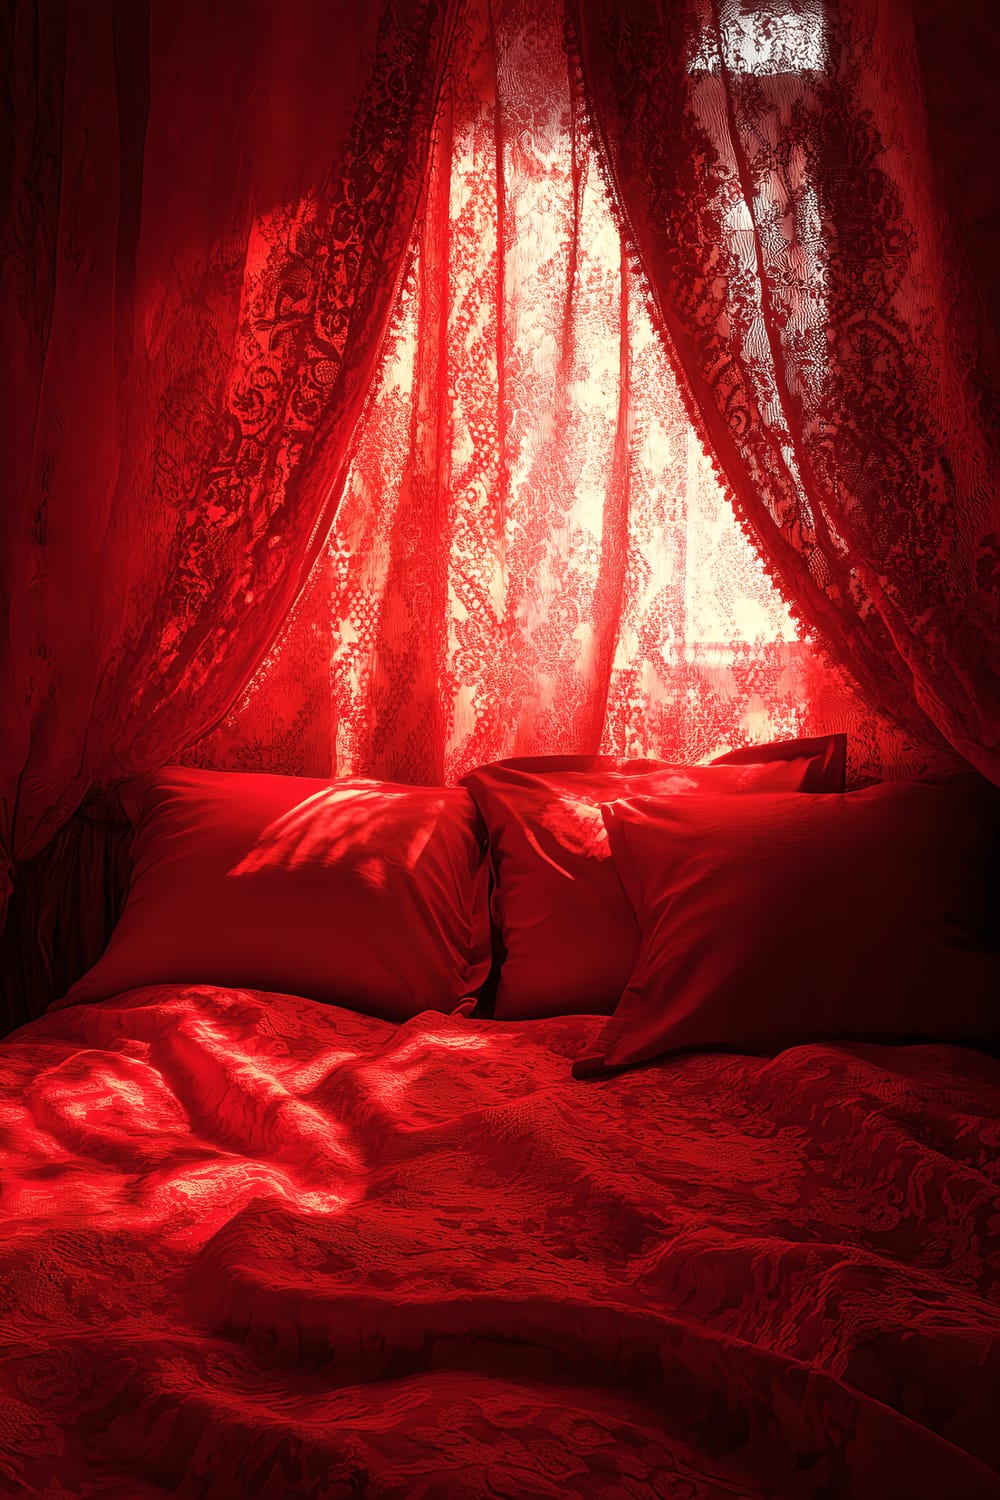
533, 553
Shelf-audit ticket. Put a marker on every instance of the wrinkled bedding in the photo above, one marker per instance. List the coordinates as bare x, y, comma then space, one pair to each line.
252, 1245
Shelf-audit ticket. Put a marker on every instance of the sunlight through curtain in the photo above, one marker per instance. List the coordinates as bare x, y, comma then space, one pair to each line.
821, 283
533, 553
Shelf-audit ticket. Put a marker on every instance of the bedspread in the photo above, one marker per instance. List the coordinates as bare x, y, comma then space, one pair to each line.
255, 1246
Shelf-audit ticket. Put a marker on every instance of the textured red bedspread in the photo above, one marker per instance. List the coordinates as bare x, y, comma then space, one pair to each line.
258, 1246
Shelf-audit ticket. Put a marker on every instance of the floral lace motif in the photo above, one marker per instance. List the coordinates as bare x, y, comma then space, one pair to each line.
257, 1245
179, 524
770, 170
533, 553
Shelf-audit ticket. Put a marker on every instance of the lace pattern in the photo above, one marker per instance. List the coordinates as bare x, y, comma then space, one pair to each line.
772, 170
533, 553
252, 1244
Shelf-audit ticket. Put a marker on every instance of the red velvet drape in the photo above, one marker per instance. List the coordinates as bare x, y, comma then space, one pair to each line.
795, 185
209, 205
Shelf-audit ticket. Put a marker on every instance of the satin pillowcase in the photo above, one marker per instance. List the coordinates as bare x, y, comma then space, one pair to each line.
567, 935
768, 921
368, 894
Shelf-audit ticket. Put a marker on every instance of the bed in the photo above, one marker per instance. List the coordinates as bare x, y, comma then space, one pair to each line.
259, 1244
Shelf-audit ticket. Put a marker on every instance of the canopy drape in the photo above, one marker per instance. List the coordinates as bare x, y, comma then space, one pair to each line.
797, 200
209, 206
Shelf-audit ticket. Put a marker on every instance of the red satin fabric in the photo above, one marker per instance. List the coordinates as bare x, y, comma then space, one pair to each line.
263, 1246
565, 929
363, 893
794, 181
772, 920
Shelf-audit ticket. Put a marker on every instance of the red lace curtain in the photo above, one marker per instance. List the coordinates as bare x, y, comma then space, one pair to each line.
534, 553
794, 199
207, 221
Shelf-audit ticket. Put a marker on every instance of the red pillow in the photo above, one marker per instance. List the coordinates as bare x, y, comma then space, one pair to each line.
567, 935
365, 893
772, 920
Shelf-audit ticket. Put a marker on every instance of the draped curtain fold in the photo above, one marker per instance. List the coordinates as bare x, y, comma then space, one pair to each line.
533, 554
208, 210
786, 179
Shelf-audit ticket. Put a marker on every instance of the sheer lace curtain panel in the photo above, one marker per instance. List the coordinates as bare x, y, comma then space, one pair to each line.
207, 215
792, 178
534, 552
